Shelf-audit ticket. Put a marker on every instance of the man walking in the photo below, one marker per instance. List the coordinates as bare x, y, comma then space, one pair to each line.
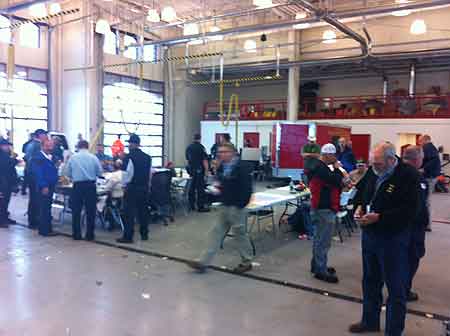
137, 166
413, 155
83, 168
325, 184
386, 206
32, 151
46, 178
197, 168
431, 169
234, 189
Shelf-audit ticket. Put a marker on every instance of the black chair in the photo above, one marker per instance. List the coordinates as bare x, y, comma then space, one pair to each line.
160, 196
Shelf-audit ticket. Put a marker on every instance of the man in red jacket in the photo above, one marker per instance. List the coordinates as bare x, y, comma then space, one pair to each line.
325, 182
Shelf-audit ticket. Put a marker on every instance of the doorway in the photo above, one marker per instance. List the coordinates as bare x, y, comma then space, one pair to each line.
361, 146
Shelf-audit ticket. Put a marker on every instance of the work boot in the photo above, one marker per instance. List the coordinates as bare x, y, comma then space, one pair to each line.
361, 328
124, 240
412, 297
327, 277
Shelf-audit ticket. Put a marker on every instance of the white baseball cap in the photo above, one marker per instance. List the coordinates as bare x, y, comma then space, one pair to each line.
328, 149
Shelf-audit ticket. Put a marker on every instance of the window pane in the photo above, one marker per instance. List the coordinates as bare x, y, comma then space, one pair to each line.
21, 130
110, 43
130, 52
38, 75
156, 161
29, 35
149, 53
5, 31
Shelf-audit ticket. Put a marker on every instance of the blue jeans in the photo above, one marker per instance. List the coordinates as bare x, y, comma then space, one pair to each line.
306, 211
324, 221
385, 261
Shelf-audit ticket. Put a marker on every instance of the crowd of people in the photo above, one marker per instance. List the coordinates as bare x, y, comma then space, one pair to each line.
391, 204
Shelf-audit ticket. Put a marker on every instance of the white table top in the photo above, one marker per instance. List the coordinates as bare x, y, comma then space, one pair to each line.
272, 197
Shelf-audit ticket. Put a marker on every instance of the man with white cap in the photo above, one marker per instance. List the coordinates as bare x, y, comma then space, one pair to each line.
325, 185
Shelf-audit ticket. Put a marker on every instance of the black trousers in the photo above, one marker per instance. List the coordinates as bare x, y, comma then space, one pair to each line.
416, 252
45, 212
84, 194
197, 190
26, 180
135, 207
3, 209
33, 205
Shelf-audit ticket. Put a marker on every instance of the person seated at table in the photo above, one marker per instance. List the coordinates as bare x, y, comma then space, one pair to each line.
171, 166
105, 160
114, 181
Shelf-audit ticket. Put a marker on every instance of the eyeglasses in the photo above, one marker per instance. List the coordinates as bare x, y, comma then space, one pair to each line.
223, 152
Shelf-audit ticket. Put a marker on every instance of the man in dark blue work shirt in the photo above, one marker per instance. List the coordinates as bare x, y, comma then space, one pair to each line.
431, 168
386, 207
8, 180
413, 155
45, 177
197, 168
32, 151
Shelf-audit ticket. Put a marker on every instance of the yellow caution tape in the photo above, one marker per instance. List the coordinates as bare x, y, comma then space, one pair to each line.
44, 18
237, 80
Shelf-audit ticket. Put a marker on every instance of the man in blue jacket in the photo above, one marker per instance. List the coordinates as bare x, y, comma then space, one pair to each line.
431, 168
345, 155
45, 176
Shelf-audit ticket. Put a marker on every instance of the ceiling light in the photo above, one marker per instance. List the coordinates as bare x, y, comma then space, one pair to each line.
168, 14
153, 16
215, 29
301, 15
302, 25
262, 3
418, 27
21, 73
102, 27
403, 12
268, 77
250, 46
38, 10
196, 42
55, 8
329, 36
190, 29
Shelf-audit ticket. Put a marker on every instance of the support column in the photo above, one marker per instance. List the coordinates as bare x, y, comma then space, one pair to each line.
293, 93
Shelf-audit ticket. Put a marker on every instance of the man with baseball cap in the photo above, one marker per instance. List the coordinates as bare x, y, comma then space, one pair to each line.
137, 166
325, 183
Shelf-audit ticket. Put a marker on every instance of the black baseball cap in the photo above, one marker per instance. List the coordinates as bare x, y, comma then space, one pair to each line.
134, 139
4, 141
40, 131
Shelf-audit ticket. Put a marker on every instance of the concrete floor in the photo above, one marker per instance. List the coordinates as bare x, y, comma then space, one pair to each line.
110, 285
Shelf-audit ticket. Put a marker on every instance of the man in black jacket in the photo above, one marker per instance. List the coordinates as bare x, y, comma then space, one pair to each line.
8, 180
197, 167
235, 190
431, 168
413, 155
137, 167
386, 207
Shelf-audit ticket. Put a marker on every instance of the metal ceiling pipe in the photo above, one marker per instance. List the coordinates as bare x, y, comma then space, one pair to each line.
412, 80
333, 21
290, 23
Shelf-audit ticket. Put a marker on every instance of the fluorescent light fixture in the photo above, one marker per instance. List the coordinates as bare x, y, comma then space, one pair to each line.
153, 16
268, 77
250, 46
196, 42
55, 8
21, 73
38, 10
418, 27
404, 12
168, 14
301, 25
301, 15
190, 29
102, 27
329, 36
263, 3
215, 29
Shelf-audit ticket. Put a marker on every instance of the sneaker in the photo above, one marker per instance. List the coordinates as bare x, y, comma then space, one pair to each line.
144, 237
327, 277
197, 266
4, 225
242, 268
412, 296
11, 221
360, 328
204, 210
50, 234
330, 270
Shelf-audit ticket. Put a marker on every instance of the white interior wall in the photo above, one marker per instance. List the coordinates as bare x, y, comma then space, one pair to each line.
393, 130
